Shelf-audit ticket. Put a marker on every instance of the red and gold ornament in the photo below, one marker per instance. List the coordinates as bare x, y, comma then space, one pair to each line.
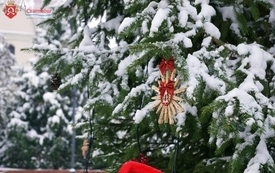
166, 101
142, 158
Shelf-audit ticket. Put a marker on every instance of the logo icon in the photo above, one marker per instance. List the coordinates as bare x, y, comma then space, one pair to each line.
10, 9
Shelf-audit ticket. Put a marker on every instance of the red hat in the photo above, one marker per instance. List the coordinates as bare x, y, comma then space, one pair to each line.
136, 167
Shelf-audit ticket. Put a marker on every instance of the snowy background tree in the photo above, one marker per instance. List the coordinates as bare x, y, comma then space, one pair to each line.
40, 127
7, 61
224, 52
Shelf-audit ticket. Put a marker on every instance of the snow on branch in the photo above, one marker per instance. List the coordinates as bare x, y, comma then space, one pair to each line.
141, 113
112, 24
261, 158
133, 93
256, 58
125, 24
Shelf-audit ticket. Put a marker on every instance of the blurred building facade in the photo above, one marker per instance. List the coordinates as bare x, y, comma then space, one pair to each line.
20, 32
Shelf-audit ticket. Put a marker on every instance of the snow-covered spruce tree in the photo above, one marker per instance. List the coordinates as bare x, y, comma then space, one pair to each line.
52, 143
94, 64
195, 34
7, 61
227, 51
40, 127
58, 38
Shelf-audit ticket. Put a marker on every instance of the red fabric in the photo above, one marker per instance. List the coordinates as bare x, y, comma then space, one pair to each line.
166, 65
136, 167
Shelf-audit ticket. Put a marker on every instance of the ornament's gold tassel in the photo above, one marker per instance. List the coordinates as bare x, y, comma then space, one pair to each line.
85, 147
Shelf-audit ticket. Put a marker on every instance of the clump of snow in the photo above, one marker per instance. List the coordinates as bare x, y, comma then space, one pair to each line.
87, 41
257, 59
17, 122
140, 114
272, 16
250, 122
67, 3
262, 157
207, 12
160, 16
201, 2
126, 1
181, 117
212, 30
55, 119
181, 37
124, 64
121, 134
229, 110
150, 8
162, 4
228, 13
112, 24
243, 49
32, 77
78, 77
97, 152
118, 108
206, 41
126, 23
50, 97
247, 103
197, 69
183, 17
145, 28
191, 10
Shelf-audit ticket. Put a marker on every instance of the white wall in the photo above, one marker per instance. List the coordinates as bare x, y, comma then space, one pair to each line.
20, 32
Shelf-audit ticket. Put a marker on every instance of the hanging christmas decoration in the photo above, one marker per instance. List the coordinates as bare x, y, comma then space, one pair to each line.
142, 158
55, 81
85, 147
166, 102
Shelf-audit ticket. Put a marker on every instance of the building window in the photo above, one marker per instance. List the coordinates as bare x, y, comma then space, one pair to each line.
12, 49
